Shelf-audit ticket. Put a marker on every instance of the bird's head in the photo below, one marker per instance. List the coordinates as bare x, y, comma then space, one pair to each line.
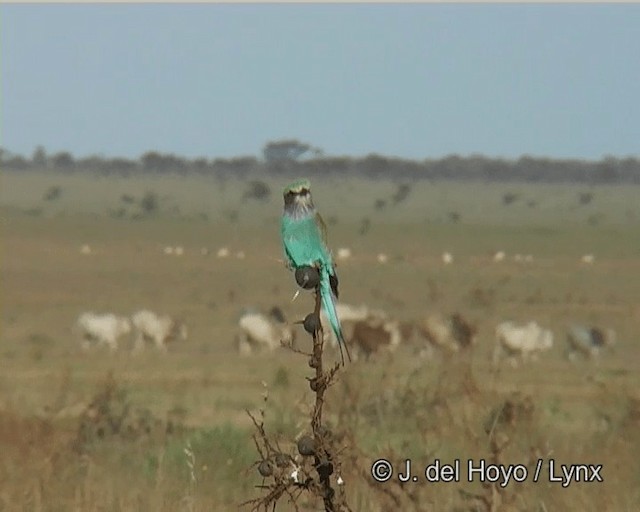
297, 196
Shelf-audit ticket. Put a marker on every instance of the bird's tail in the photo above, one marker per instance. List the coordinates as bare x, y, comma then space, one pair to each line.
329, 304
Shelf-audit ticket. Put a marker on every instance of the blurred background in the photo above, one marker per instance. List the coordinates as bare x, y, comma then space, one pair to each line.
475, 165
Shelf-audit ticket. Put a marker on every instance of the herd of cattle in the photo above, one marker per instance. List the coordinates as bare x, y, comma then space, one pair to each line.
107, 329
367, 331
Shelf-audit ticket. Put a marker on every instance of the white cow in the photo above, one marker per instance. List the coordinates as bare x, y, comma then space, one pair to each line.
344, 253
449, 333
262, 332
588, 341
524, 341
382, 258
447, 258
158, 329
588, 259
101, 329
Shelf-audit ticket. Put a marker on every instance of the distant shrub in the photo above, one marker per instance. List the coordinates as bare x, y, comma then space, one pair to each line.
532, 203
127, 199
379, 204
257, 190
585, 197
365, 226
402, 193
52, 193
149, 203
281, 378
509, 198
454, 217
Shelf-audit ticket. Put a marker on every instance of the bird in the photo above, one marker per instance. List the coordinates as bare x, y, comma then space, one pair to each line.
304, 240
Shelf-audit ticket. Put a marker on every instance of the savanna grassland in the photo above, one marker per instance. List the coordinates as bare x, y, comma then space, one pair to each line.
99, 431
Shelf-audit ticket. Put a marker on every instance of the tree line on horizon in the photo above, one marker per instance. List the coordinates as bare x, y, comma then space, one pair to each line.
288, 156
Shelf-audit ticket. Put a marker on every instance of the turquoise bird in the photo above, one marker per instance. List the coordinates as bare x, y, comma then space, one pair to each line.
304, 239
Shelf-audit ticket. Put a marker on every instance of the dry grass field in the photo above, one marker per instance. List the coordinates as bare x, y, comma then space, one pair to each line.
55, 455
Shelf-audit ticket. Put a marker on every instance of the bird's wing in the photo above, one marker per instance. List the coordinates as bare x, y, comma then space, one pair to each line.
322, 227
301, 242
333, 277
285, 248
333, 281
290, 262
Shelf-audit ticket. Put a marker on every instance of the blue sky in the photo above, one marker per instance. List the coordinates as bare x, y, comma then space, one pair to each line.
414, 81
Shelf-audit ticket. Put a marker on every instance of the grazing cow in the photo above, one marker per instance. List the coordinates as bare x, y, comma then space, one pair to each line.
447, 258
85, 249
588, 341
524, 340
178, 250
588, 259
223, 252
411, 333
382, 258
449, 333
348, 314
373, 334
262, 332
499, 256
158, 329
101, 329
344, 253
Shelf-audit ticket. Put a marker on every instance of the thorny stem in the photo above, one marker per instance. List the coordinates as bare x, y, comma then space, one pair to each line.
322, 458
318, 342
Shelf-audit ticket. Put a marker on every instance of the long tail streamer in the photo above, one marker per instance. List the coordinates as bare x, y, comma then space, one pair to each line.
329, 304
